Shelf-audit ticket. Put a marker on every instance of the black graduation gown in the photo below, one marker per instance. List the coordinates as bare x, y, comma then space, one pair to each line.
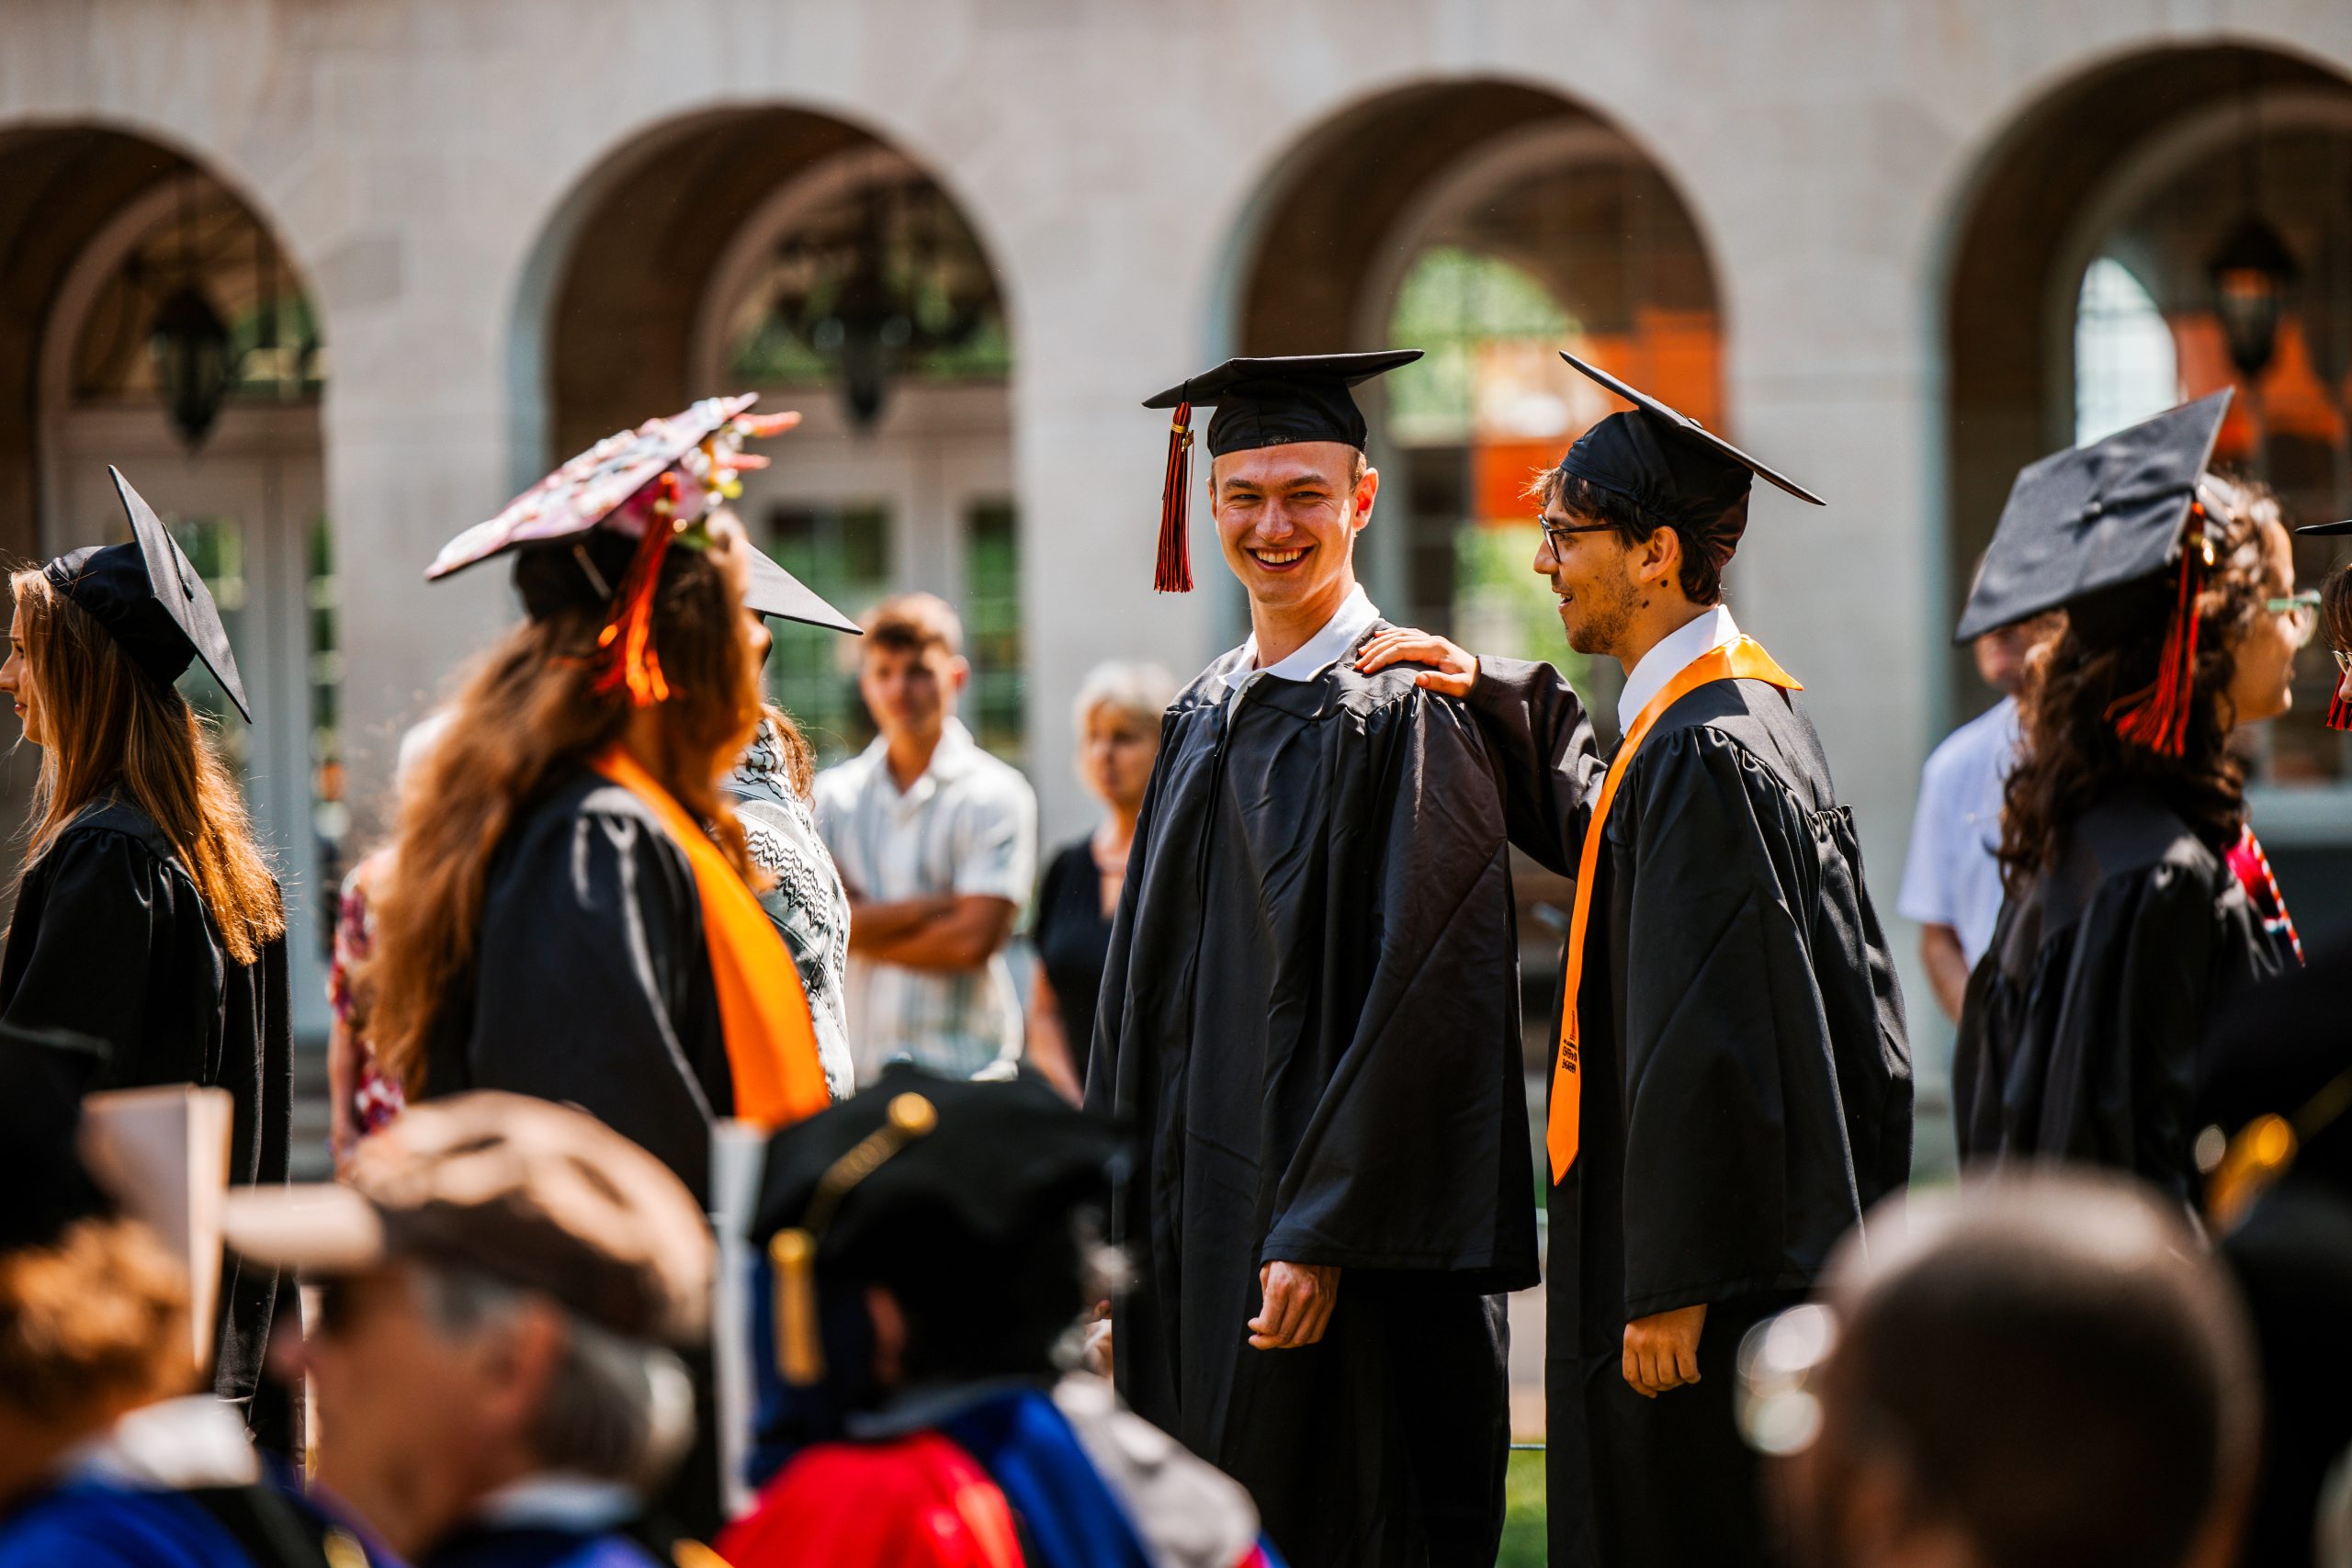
2078, 1035
2271, 1050
591, 984
1746, 1088
111, 937
1310, 1014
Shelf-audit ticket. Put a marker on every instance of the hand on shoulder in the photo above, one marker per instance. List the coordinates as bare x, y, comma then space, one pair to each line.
1452, 672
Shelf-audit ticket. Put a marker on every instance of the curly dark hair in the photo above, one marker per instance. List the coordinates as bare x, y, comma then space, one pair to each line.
1706, 549
2114, 641
2335, 608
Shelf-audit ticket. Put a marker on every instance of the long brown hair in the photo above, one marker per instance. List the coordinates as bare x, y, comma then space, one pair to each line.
525, 711
113, 727
2073, 759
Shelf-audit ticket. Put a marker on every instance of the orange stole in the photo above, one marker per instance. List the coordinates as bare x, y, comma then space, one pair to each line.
771, 1040
1743, 659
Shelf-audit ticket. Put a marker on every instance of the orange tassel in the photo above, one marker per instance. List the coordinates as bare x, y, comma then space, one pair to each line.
1174, 575
2156, 716
630, 661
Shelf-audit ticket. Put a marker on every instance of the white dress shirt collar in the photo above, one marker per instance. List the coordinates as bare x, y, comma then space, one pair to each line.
1705, 632
1326, 648
175, 1446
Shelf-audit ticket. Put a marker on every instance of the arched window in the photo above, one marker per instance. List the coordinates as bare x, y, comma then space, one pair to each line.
2125, 369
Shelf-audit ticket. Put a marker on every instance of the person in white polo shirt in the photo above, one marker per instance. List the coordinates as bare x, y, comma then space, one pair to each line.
937, 843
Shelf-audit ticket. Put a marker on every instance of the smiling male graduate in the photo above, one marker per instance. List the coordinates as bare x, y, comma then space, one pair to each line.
1310, 1013
1732, 1085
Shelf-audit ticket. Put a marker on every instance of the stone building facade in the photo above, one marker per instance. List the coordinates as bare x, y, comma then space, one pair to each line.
475, 236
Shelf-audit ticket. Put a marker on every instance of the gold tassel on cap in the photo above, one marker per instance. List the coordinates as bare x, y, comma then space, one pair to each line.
1175, 573
799, 1341
799, 1350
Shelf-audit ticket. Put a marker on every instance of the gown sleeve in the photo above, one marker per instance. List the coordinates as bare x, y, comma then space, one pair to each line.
105, 922
1546, 765
1719, 1021
2146, 974
1415, 1154
587, 940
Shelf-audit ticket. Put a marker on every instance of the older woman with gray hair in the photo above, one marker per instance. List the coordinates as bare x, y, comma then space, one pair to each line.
1118, 710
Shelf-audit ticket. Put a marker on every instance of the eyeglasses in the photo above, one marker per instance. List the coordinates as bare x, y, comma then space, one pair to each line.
2301, 611
1555, 533
2343, 661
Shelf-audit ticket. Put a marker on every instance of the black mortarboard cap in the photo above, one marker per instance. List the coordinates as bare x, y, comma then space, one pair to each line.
1667, 464
2095, 517
43, 1075
918, 1182
150, 598
1259, 403
769, 590
2343, 527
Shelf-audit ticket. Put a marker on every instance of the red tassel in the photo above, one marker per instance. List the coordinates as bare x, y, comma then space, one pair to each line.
1174, 575
630, 662
2340, 709
2156, 716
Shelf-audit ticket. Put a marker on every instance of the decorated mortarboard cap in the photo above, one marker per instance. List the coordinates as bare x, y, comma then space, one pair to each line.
1667, 464
150, 598
918, 1175
771, 591
2095, 517
1276, 402
43, 1075
651, 486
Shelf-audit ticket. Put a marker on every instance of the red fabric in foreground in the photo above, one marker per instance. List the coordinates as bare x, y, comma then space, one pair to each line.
921, 1501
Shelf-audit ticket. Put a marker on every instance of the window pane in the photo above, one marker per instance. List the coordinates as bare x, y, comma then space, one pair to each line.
841, 552
992, 629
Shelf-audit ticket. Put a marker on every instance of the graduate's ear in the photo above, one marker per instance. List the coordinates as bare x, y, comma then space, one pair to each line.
1367, 491
890, 1322
1658, 562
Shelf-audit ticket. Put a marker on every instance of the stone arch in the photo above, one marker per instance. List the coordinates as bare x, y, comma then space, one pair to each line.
2148, 159
1515, 173
625, 307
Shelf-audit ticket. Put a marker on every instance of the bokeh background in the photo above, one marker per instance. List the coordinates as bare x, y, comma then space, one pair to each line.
331, 280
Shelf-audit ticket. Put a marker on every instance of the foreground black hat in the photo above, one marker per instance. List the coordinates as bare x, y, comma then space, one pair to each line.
2095, 517
917, 1182
1667, 464
148, 596
1276, 402
2343, 527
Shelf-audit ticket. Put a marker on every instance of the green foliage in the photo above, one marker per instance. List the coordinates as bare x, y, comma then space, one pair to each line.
1522, 1513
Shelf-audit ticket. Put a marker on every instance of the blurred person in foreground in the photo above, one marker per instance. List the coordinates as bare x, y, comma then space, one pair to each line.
774, 789
937, 843
2044, 1369
573, 911
1119, 709
111, 1456
503, 1285
146, 915
2138, 895
1732, 1084
1952, 879
1311, 1012
2275, 1105
928, 1261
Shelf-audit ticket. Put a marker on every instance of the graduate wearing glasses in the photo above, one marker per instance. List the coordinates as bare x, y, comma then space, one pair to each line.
1732, 1086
